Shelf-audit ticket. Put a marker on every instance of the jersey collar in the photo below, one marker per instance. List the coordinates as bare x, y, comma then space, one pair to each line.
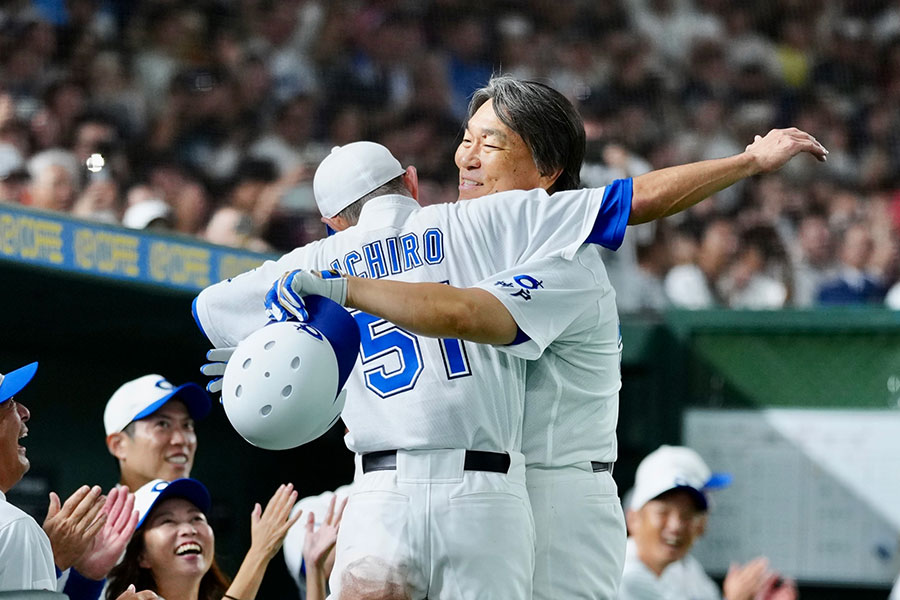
384, 211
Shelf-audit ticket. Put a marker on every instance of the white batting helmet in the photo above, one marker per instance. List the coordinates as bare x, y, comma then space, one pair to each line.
282, 386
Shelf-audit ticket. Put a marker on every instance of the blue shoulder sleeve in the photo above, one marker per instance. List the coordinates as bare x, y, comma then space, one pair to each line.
79, 587
609, 227
521, 338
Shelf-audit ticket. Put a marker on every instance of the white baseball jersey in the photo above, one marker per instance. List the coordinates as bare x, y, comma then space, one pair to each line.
414, 393
682, 580
567, 308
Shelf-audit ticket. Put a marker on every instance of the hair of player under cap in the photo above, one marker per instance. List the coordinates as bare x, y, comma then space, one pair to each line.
394, 186
546, 121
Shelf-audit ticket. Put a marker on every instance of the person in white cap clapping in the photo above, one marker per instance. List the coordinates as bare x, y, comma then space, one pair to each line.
666, 513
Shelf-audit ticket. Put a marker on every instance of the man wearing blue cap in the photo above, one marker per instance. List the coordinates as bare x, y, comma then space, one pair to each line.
26, 558
149, 426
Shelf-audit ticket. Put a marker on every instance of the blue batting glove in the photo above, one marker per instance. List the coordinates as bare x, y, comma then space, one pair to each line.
219, 358
290, 294
274, 308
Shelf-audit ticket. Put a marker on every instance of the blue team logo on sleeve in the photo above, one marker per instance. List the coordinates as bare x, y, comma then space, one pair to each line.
523, 286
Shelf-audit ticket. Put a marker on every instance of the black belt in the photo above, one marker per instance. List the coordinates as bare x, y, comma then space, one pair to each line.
601, 467
476, 460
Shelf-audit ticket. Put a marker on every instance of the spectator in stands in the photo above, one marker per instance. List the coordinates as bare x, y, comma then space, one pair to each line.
146, 210
759, 276
813, 259
173, 550
667, 513
55, 180
289, 143
696, 285
86, 532
230, 226
150, 429
202, 86
13, 176
852, 283
99, 201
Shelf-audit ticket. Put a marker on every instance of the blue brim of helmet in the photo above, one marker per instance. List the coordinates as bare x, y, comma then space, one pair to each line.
15, 381
340, 329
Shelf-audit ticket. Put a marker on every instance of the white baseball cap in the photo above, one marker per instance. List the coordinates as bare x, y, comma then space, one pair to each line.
350, 172
143, 396
141, 214
674, 467
11, 162
158, 490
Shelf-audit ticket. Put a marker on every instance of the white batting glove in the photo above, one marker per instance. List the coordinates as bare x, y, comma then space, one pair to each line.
330, 284
219, 358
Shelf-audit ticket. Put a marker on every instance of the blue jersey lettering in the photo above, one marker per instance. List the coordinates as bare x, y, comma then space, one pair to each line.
350, 261
434, 246
375, 260
393, 250
410, 245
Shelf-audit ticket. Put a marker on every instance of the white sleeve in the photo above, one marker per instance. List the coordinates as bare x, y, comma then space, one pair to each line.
229, 311
26, 557
545, 296
533, 224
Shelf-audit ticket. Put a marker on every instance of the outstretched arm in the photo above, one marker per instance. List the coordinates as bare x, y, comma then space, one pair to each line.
435, 309
267, 530
671, 190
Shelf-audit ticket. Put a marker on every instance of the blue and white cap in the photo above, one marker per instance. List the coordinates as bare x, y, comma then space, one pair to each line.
15, 381
675, 467
143, 396
154, 492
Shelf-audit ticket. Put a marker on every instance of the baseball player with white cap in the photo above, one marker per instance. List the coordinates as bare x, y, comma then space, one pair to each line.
666, 513
561, 311
149, 426
437, 422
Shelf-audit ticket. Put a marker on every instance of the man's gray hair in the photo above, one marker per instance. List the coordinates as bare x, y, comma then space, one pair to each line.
545, 119
41, 161
394, 186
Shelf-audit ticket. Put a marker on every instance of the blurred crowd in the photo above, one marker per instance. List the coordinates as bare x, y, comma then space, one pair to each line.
208, 117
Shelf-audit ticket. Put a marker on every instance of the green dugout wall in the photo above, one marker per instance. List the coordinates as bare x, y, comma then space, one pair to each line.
99, 305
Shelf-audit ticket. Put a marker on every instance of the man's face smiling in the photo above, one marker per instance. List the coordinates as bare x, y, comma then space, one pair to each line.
13, 462
162, 445
494, 158
665, 528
